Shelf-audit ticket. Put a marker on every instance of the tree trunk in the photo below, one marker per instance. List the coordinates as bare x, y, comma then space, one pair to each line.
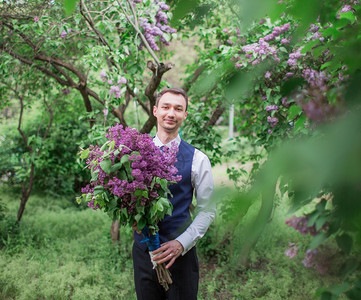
114, 231
26, 191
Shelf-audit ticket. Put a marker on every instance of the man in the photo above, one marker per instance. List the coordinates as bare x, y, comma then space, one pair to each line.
178, 233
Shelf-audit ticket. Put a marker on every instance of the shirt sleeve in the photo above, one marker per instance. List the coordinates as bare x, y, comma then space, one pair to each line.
202, 181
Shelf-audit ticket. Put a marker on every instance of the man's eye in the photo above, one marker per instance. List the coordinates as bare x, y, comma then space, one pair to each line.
165, 107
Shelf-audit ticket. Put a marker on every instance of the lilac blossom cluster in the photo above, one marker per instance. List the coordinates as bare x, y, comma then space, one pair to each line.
257, 52
347, 7
114, 89
272, 120
293, 57
315, 259
151, 30
147, 162
318, 109
300, 224
64, 33
292, 251
316, 79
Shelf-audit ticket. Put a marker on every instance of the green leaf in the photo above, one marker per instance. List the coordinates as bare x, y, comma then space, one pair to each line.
69, 6
349, 267
309, 46
300, 123
320, 222
294, 111
164, 184
344, 242
348, 16
102, 148
106, 165
318, 240
116, 167
326, 296
84, 154
95, 175
339, 289
124, 158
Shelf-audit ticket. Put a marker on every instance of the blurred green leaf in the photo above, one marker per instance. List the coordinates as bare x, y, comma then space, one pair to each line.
69, 6
344, 242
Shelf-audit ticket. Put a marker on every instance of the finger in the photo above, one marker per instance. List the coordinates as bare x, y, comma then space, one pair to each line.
165, 258
170, 263
159, 250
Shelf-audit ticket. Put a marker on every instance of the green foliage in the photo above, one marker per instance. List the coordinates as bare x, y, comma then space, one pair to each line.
67, 253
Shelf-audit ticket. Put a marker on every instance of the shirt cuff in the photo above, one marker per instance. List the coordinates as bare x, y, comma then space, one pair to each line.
187, 241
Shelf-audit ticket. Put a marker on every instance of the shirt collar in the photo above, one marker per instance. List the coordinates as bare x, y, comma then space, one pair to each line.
158, 142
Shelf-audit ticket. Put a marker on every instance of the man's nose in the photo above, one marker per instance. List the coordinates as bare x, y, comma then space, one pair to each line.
171, 112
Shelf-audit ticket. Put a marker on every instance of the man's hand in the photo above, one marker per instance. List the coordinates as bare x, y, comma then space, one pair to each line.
168, 251
135, 228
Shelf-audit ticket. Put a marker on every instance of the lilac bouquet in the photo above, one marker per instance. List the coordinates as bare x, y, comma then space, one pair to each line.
130, 178
129, 181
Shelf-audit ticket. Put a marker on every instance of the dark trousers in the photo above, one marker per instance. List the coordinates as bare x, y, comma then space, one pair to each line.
184, 272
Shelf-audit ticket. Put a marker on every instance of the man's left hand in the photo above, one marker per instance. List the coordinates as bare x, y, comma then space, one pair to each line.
168, 251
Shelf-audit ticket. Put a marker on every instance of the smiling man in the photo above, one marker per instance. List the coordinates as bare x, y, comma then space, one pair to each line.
178, 233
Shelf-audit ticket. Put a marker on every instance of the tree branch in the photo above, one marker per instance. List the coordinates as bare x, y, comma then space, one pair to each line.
136, 27
215, 115
152, 86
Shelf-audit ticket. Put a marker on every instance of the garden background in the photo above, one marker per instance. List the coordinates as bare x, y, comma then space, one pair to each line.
274, 92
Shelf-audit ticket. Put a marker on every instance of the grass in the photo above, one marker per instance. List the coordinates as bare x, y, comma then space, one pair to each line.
64, 252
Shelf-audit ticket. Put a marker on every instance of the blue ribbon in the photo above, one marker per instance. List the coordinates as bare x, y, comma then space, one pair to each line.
152, 241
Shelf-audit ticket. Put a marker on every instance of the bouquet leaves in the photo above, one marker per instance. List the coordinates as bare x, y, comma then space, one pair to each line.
129, 181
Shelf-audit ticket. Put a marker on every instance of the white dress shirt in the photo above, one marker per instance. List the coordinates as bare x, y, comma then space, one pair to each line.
202, 182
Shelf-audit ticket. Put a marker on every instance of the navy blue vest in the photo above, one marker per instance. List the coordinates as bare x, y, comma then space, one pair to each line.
172, 226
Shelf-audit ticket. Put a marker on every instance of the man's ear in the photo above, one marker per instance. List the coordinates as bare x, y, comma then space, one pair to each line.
185, 115
155, 111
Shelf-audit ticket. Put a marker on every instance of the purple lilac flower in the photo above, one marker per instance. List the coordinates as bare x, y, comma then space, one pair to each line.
103, 76
225, 30
285, 41
272, 107
346, 8
293, 57
105, 111
91, 204
36, 19
292, 251
257, 52
285, 102
110, 81
300, 224
309, 259
314, 28
285, 27
270, 131
147, 162
64, 33
267, 75
114, 89
163, 6
315, 78
272, 120
122, 80
238, 65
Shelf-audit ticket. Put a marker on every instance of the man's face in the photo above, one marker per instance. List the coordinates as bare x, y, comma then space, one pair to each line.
170, 112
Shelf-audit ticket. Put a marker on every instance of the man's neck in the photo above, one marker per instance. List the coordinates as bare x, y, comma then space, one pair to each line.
166, 137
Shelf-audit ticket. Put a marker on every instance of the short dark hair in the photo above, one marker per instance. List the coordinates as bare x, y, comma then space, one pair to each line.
177, 91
